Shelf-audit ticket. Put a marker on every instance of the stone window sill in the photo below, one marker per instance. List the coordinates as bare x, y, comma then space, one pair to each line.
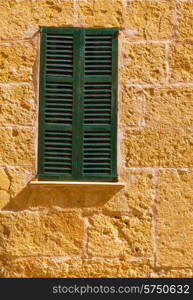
118, 185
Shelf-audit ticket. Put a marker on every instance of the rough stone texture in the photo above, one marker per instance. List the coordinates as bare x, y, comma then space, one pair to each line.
17, 105
143, 230
149, 20
21, 19
136, 197
73, 198
19, 189
152, 147
120, 236
14, 188
19, 177
61, 267
4, 198
179, 273
16, 146
181, 57
174, 209
144, 63
185, 19
32, 233
101, 13
17, 60
168, 107
4, 180
131, 108
4, 187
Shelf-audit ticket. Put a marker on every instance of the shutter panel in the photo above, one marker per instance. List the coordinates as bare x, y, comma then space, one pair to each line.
77, 117
56, 103
99, 104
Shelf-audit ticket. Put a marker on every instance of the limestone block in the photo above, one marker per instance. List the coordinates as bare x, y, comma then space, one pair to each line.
17, 105
167, 106
185, 20
120, 236
174, 227
4, 180
144, 63
136, 197
21, 19
101, 13
62, 267
149, 20
180, 61
32, 233
16, 146
172, 273
4, 198
17, 60
130, 107
162, 147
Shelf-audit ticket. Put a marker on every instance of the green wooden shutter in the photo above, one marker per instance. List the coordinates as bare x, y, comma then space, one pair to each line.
100, 93
78, 107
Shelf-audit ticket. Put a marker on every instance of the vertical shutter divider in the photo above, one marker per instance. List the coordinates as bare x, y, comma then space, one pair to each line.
41, 127
78, 81
114, 103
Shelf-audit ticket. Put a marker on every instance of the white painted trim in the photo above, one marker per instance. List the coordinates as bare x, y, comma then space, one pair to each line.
78, 183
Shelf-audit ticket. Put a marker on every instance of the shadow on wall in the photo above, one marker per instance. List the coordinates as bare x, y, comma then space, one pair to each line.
71, 197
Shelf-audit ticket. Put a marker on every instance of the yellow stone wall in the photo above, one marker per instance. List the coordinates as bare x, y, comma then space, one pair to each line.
144, 230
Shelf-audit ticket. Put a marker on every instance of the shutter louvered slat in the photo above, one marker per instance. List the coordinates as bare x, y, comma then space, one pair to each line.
100, 52
62, 149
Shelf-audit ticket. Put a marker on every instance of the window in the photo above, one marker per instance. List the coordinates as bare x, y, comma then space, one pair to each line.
78, 104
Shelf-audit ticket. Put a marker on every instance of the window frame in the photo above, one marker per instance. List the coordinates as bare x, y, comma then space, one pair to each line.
114, 102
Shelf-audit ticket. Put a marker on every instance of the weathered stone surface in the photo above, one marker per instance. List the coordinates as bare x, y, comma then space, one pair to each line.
20, 176
21, 19
151, 20
113, 268
4, 180
4, 198
175, 232
131, 107
181, 61
101, 13
144, 63
46, 231
17, 105
120, 236
16, 146
185, 19
167, 106
4, 188
73, 198
32, 233
178, 273
152, 147
61, 267
14, 188
17, 60
136, 197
